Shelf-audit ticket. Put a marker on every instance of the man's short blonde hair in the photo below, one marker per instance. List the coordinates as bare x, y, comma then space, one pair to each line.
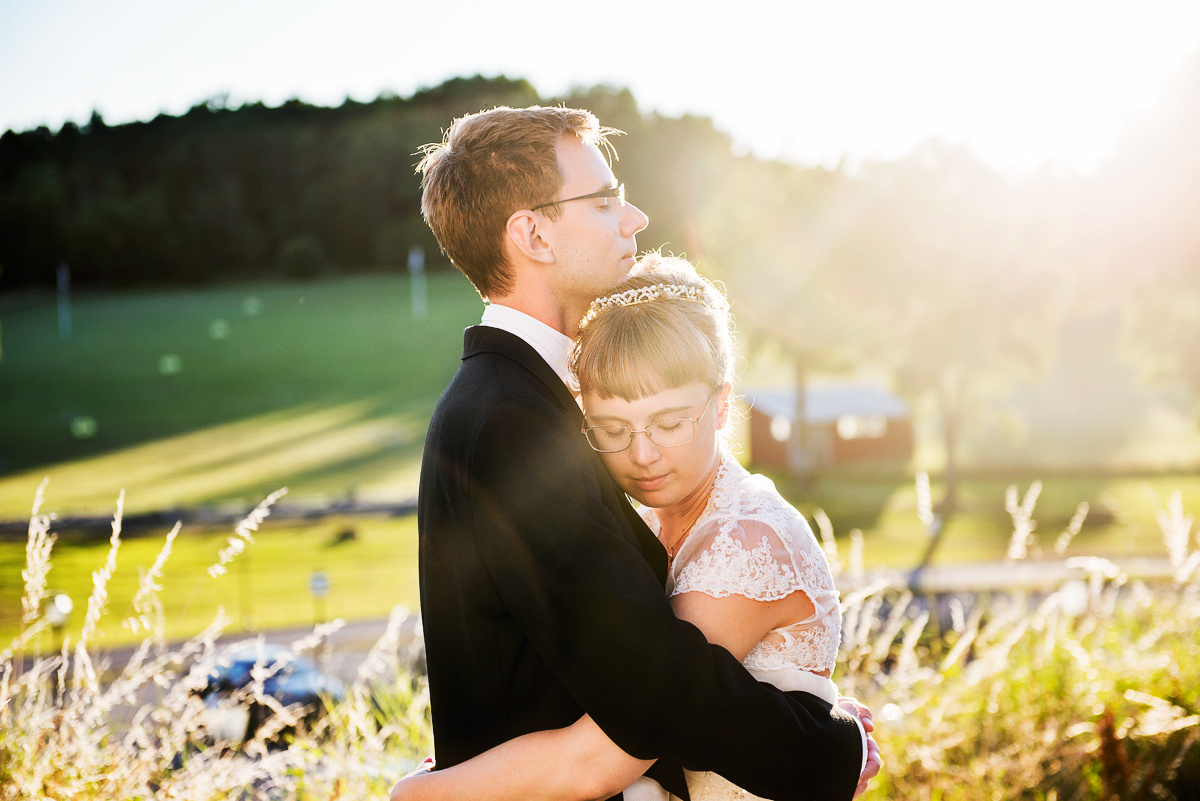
637, 349
487, 166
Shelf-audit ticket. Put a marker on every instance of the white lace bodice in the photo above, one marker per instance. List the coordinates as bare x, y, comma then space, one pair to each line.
750, 541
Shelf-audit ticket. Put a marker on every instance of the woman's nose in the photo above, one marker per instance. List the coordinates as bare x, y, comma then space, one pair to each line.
642, 449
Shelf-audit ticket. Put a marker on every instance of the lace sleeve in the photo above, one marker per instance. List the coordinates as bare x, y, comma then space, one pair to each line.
751, 560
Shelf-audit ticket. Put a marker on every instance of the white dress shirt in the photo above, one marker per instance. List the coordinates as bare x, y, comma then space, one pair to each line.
552, 345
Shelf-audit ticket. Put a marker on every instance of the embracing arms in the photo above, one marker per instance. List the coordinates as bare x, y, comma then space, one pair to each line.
580, 762
576, 763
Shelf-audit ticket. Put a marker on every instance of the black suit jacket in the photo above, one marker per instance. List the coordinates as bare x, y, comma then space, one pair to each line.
542, 598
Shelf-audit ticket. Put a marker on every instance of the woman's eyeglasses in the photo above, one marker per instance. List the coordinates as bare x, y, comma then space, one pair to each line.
670, 433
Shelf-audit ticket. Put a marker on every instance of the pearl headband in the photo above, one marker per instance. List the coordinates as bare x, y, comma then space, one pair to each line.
646, 294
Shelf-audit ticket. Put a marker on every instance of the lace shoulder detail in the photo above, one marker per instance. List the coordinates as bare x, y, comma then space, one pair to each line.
750, 542
746, 561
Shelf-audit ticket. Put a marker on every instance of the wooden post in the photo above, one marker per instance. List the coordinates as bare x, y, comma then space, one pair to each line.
64, 302
799, 460
420, 292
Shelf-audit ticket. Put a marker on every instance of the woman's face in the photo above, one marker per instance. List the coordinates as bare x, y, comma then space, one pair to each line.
655, 475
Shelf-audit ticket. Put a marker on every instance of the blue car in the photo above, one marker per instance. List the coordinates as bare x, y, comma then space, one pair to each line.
293, 680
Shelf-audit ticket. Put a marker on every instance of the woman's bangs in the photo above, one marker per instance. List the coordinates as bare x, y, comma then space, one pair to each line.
642, 359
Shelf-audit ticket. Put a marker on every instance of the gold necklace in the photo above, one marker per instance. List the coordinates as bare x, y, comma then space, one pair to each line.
672, 548
691, 523
687, 531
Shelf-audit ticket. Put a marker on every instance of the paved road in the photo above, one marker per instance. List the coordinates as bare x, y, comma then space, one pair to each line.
342, 653
1042, 575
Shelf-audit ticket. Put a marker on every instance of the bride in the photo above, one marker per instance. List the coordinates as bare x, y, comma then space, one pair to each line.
654, 364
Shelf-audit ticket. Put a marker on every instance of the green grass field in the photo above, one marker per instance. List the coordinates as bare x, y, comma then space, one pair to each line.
1121, 520
186, 397
266, 587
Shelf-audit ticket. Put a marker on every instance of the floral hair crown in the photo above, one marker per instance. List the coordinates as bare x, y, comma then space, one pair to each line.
647, 294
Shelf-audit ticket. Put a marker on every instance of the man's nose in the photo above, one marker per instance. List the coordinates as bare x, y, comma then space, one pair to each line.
635, 219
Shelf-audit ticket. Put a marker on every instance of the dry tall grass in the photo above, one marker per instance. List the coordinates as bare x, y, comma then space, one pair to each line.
1090, 692
67, 731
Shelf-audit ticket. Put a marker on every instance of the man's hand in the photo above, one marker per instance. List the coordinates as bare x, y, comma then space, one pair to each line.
874, 760
860, 711
874, 763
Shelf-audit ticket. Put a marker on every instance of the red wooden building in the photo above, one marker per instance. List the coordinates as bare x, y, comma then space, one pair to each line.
846, 423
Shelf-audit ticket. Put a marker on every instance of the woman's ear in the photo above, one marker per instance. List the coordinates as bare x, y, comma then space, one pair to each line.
724, 397
525, 229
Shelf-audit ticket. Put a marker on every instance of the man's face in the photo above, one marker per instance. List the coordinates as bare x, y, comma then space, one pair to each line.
594, 239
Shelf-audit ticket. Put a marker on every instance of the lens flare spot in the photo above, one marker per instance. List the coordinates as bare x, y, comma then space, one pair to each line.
83, 427
170, 364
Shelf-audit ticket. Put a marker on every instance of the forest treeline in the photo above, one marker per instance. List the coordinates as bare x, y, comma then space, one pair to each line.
297, 190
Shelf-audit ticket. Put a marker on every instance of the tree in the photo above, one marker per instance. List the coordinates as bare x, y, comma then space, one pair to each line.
932, 266
981, 298
786, 241
1144, 230
219, 192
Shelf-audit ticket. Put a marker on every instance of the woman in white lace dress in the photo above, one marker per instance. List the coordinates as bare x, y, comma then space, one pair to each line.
744, 566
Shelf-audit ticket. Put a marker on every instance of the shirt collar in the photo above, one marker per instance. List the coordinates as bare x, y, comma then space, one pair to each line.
552, 345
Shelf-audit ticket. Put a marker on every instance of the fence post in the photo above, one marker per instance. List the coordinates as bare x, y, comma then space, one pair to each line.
64, 302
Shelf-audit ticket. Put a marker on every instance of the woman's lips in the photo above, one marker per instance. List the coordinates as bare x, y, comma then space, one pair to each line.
649, 484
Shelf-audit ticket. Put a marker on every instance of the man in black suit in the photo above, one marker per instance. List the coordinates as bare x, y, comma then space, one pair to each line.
541, 588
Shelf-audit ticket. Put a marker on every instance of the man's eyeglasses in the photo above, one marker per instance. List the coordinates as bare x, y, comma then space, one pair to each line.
669, 433
617, 192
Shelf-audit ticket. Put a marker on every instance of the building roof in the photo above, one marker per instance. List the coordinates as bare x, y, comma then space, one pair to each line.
825, 403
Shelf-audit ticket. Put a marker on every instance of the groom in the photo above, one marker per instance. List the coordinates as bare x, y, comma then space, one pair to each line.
541, 588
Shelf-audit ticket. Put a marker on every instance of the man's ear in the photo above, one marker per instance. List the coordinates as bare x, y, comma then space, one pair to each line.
525, 232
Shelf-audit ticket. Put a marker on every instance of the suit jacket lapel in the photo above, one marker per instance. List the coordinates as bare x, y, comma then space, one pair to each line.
485, 339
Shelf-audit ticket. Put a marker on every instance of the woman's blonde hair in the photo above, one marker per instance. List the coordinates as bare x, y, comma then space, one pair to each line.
661, 328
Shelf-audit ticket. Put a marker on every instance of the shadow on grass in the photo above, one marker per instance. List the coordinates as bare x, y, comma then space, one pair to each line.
143, 366
319, 452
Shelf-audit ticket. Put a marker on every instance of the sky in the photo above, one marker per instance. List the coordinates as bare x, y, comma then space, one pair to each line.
1021, 82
